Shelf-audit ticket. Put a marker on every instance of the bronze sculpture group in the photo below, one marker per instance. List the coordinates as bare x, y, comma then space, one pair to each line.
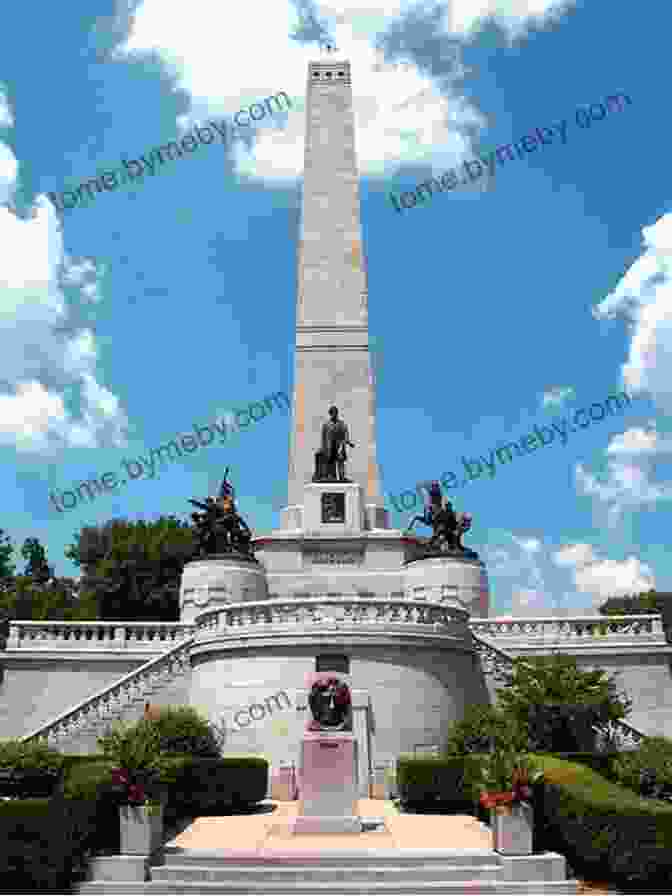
447, 526
220, 529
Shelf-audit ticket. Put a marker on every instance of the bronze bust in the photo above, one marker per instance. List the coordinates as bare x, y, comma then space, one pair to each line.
330, 705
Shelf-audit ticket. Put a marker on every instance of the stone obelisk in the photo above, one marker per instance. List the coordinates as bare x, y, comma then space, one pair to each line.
332, 361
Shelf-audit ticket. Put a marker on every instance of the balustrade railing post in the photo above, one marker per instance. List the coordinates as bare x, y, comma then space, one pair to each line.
13, 640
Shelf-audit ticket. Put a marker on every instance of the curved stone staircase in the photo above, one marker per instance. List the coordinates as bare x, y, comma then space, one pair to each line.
78, 728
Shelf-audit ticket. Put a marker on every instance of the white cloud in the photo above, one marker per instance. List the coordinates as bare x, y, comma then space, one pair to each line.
603, 578
6, 117
640, 442
45, 354
627, 479
225, 62
643, 298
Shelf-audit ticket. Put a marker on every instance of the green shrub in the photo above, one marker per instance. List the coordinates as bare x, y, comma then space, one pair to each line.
602, 763
197, 784
648, 769
565, 727
133, 746
482, 728
427, 780
557, 679
182, 729
36, 853
605, 831
33, 755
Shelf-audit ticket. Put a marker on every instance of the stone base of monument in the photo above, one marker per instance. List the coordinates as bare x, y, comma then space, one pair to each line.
328, 784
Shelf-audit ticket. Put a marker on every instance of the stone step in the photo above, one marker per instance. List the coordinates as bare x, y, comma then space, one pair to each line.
343, 875
332, 888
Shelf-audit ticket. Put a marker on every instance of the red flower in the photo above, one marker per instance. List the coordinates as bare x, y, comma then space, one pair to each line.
492, 800
136, 793
120, 776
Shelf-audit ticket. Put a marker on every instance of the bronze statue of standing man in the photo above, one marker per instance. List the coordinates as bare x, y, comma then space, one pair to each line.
335, 437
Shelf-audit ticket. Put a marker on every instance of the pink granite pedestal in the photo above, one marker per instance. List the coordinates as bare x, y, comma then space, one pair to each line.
328, 784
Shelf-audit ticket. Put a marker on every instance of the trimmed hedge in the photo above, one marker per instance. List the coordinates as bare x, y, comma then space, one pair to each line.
602, 763
199, 784
605, 831
432, 780
44, 841
36, 853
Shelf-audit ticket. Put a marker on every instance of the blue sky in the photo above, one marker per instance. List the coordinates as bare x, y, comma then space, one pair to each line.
500, 305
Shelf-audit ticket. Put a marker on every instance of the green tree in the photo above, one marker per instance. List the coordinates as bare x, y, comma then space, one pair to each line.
7, 567
638, 604
556, 679
133, 568
483, 728
36, 567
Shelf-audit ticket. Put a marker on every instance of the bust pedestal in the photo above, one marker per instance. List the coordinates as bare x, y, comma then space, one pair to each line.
328, 784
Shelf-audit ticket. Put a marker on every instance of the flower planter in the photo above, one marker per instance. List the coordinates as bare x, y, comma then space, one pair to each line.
141, 829
512, 828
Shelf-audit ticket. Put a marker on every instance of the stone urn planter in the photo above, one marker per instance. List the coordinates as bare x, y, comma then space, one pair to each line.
510, 805
512, 829
141, 829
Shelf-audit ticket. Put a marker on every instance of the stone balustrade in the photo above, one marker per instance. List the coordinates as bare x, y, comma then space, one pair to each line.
107, 704
570, 628
329, 608
319, 610
55, 635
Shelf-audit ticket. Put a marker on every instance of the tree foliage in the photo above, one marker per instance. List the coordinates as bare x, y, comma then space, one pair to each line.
483, 728
133, 568
7, 567
59, 599
37, 566
557, 679
646, 602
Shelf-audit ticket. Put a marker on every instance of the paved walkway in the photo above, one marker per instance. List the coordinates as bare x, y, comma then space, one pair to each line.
271, 830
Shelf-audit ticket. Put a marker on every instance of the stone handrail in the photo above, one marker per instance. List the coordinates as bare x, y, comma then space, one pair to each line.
105, 703
58, 635
569, 628
497, 663
317, 610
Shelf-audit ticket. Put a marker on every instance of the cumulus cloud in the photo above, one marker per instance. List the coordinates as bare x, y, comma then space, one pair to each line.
6, 118
514, 565
600, 577
47, 357
401, 115
643, 299
627, 480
